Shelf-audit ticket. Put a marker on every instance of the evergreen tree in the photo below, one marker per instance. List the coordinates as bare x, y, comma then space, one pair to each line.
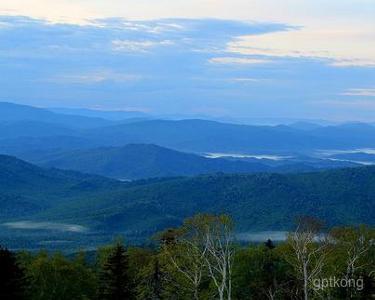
12, 278
114, 279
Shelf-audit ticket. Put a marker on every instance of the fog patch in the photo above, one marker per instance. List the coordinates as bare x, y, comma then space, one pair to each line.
30, 225
256, 156
262, 236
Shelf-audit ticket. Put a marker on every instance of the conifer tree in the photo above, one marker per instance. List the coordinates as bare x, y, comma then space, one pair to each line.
114, 280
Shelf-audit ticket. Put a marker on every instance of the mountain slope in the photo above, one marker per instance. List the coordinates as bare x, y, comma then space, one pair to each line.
26, 188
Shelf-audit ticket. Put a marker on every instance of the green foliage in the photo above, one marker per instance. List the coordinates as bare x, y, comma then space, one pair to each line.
56, 277
261, 271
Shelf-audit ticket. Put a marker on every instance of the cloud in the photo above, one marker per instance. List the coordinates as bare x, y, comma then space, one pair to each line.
138, 46
341, 32
238, 61
95, 77
287, 11
154, 27
367, 105
5, 25
314, 43
360, 92
154, 64
246, 80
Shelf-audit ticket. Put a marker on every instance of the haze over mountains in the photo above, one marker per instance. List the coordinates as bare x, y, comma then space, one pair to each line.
50, 132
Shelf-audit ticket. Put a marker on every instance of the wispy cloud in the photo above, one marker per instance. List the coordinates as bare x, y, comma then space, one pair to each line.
370, 92
313, 43
5, 25
154, 27
138, 46
238, 61
94, 77
246, 80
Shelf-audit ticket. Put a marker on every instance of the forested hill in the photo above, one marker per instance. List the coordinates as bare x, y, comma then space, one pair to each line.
258, 201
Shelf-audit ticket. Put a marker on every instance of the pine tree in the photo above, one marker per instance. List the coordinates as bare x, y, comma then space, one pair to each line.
114, 279
12, 278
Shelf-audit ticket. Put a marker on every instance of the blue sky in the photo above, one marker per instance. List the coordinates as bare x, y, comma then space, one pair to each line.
305, 59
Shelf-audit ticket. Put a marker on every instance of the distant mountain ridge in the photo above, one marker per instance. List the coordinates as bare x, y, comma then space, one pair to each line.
104, 114
185, 135
13, 113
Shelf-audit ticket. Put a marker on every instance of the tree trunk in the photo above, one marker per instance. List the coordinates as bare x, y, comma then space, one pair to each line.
305, 283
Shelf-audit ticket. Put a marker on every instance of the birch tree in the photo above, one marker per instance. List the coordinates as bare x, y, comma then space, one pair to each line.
220, 252
186, 255
308, 252
202, 249
355, 244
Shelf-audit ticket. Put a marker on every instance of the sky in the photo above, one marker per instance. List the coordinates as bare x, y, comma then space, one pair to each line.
303, 59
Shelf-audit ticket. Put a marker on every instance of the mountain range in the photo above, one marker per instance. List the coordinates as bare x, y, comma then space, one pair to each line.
197, 136
136, 148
